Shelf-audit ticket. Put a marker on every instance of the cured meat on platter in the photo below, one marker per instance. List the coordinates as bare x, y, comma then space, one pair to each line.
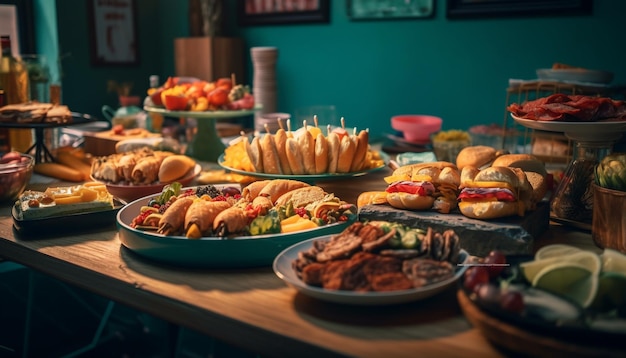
570, 108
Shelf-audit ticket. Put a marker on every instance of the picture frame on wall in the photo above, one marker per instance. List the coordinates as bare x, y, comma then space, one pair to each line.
458, 9
276, 12
390, 10
113, 32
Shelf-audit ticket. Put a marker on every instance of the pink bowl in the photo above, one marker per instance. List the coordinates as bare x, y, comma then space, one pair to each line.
416, 127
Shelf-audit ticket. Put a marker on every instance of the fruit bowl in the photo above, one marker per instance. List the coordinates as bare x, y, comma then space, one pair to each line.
16, 170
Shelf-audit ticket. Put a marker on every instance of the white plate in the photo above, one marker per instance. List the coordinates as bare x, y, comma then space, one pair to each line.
575, 75
284, 270
581, 131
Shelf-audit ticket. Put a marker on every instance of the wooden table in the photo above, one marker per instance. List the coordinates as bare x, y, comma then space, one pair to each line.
252, 308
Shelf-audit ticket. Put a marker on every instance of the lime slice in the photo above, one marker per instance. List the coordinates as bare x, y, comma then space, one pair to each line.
555, 250
570, 280
613, 261
586, 259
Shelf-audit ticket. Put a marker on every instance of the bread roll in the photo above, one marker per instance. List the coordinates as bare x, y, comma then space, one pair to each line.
253, 149
410, 201
488, 209
294, 156
477, 156
307, 147
360, 153
271, 161
174, 167
346, 155
321, 154
334, 148
280, 139
526, 162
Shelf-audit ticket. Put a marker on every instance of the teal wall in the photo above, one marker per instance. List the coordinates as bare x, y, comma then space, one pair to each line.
370, 70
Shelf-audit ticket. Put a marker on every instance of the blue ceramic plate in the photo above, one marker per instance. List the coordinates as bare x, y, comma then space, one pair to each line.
284, 270
238, 252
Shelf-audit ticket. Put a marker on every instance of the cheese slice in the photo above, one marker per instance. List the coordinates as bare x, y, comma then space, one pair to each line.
59, 201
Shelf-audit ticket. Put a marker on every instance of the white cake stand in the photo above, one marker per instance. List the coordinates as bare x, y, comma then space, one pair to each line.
205, 145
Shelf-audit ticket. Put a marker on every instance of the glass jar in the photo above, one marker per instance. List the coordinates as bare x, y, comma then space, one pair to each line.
573, 198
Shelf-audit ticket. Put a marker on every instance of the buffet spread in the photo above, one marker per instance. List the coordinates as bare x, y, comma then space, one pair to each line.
468, 222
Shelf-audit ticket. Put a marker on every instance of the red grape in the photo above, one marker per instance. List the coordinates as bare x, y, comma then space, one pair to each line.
475, 276
512, 301
495, 263
489, 293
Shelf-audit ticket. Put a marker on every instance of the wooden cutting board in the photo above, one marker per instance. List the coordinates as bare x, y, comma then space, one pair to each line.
514, 235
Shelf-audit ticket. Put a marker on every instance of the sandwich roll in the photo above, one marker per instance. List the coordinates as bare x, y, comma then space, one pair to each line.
280, 139
334, 147
494, 192
346, 155
271, 161
360, 154
321, 154
307, 147
294, 157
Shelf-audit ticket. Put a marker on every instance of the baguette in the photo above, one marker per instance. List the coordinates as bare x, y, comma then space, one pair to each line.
59, 171
68, 159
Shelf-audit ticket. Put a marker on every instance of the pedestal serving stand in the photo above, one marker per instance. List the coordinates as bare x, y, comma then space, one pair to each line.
39, 149
205, 145
572, 202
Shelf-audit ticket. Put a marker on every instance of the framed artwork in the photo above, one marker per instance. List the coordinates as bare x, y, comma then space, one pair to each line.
113, 32
457, 9
272, 12
389, 10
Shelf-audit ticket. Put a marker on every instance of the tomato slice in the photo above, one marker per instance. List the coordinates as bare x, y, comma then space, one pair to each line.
422, 188
486, 194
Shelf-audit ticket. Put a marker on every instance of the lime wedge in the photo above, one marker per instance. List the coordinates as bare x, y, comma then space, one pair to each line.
570, 280
555, 250
613, 261
611, 292
586, 259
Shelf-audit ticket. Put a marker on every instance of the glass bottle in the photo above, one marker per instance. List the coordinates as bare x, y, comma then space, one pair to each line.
14, 82
156, 119
573, 198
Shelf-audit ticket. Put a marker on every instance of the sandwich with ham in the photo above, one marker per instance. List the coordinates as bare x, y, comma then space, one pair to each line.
494, 192
424, 186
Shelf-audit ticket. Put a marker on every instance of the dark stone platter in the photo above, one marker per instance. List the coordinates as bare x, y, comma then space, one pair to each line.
513, 235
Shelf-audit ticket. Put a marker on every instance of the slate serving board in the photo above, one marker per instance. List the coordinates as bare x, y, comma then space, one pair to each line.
513, 235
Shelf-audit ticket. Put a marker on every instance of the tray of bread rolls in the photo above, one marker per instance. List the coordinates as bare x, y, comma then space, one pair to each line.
491, 199
309, 154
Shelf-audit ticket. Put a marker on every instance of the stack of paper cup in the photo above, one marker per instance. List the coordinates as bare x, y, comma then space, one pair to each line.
264, 81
